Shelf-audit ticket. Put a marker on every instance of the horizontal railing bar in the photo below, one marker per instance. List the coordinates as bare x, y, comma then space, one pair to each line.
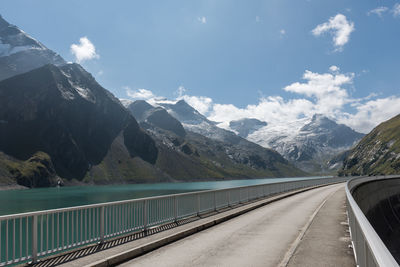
147, 213
43, 212
374, 243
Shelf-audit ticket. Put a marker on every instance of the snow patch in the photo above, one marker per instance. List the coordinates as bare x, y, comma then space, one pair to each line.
85, 93
125, 102
7, 49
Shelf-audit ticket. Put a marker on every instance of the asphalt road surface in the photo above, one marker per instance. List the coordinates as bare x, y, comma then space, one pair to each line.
263, 237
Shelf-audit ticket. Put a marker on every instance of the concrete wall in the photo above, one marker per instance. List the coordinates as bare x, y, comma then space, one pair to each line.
380, 202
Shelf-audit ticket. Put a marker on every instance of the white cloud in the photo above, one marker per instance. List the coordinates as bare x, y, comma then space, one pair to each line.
202, 20
272, 109
339, 26
326, 89
325, 94
282, 32
371, 113
318, 93
202, 104
180, 91
378, 11
83, 51
396, 10
143, 94
334, 68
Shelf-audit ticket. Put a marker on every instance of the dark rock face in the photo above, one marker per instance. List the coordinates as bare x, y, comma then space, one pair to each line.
139, 143
139, 109
20, 53
163, 120
159, 117
244, 127
64, 112
185, 113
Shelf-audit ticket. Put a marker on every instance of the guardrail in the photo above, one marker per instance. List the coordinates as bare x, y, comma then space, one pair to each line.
369, 249
28, 236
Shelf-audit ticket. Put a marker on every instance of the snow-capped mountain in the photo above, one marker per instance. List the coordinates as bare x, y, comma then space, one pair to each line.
195, 122
308, 143
20, 53
244, 127
183, 129
157, 116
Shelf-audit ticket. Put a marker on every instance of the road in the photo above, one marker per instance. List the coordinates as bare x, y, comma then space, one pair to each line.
263, 237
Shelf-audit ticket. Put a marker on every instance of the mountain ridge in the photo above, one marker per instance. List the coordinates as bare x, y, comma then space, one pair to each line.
224, 153
313, 145
378, 153
20, 53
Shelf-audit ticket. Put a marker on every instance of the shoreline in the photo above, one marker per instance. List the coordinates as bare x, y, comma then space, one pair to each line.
7, 187
12, 187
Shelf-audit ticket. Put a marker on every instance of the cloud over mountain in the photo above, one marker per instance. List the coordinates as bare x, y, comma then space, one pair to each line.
318, 93
84, 51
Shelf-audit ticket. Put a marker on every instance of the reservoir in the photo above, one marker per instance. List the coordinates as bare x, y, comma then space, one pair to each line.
19, 201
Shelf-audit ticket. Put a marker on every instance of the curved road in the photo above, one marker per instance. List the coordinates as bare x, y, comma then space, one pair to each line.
262, 237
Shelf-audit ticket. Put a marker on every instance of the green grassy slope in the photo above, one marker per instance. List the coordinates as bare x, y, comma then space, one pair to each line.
378, 153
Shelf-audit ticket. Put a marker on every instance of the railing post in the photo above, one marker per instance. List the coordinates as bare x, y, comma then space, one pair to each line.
229, 197
34, 238
145, 215
215, 202
102, 219
198, 204
175, 209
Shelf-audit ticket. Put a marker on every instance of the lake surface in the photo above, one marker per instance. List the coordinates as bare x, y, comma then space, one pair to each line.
18, 201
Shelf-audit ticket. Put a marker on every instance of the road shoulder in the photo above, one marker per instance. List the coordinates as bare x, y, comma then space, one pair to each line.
327, 241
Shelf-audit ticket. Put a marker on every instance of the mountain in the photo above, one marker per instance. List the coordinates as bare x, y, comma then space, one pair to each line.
195, 122
159, 117
309, 144
65, 113
20, 53
378, 153
208, 157
59, 126
246, 126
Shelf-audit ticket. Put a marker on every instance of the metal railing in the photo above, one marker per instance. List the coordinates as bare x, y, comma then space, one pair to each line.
28, 236
369, 249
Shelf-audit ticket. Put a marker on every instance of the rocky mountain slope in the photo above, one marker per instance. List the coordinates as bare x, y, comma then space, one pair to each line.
195, 122
65, 113
20, 53
58, 125
378, 153
144, 112
210, 156
246, 126
309, 144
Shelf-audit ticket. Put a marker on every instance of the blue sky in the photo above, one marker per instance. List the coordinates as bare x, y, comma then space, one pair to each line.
233, 57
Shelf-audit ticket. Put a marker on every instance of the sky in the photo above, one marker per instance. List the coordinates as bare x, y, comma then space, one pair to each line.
275, 60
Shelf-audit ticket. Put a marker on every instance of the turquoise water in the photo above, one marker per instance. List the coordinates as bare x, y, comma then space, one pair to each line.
18, 201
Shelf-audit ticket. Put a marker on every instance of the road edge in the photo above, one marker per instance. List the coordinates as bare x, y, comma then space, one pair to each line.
141, 250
